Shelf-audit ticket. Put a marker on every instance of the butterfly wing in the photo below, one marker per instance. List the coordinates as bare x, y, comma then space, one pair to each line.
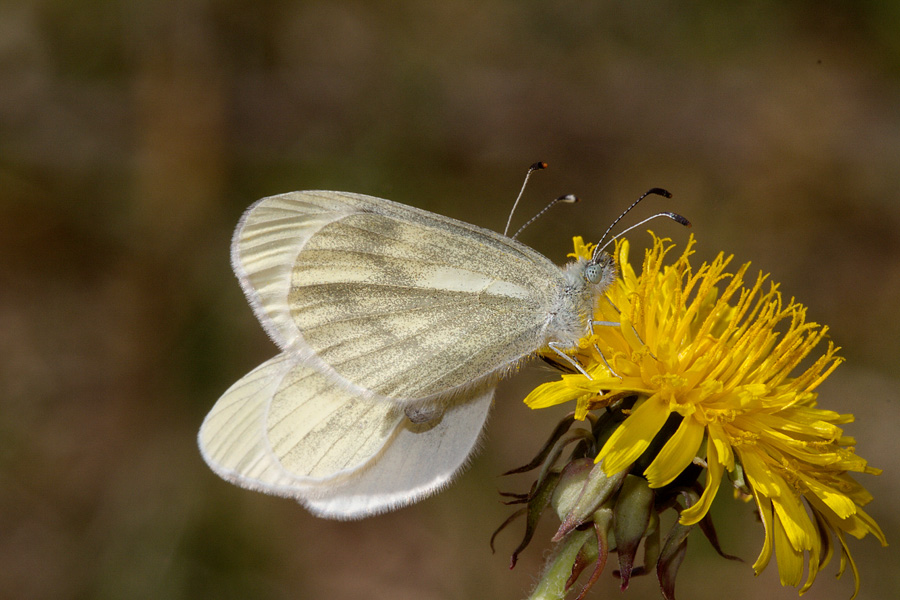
421, 460
394, 302
286, 429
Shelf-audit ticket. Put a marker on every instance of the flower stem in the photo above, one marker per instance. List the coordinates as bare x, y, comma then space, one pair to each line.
552, 585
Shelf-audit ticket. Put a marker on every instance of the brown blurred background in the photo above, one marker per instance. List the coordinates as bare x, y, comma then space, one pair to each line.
133, 135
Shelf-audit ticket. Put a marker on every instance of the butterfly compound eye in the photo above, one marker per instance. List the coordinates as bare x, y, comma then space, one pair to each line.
599, 269
594, 272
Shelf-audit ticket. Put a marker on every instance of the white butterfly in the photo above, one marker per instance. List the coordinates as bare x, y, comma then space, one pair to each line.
394, 326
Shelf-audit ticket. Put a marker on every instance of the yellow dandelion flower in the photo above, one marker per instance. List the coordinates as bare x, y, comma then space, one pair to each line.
702, 347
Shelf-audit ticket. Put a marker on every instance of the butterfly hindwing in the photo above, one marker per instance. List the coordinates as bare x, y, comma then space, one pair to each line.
286, 429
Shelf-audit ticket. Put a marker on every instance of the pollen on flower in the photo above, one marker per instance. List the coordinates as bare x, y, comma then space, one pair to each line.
725, 372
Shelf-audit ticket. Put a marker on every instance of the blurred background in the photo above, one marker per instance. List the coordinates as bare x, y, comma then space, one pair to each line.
134, 134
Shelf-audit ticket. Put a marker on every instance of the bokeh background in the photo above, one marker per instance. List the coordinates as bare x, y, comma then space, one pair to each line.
133, 135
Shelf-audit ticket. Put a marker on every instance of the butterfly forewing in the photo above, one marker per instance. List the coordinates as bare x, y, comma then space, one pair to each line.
264, 247
394, 301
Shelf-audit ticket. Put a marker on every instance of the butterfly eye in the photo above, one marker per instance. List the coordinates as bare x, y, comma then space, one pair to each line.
598, 269
593, 273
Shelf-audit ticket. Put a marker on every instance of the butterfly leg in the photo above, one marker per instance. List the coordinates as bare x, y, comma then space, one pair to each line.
555, 347
616, 308
591, 324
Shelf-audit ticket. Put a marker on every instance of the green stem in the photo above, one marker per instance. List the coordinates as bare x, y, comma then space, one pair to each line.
552, 585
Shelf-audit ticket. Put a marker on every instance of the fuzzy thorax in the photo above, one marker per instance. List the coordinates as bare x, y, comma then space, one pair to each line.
574, 309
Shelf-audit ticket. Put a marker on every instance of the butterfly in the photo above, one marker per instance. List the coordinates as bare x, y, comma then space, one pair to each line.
394, 326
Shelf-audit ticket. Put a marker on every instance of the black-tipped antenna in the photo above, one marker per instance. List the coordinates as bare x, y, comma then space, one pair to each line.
674, 216
535, 167
651, 191
568, 198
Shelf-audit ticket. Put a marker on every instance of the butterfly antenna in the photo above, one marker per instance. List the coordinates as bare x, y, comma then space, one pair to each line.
670, 215
535, 167
652, 191
568, 199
